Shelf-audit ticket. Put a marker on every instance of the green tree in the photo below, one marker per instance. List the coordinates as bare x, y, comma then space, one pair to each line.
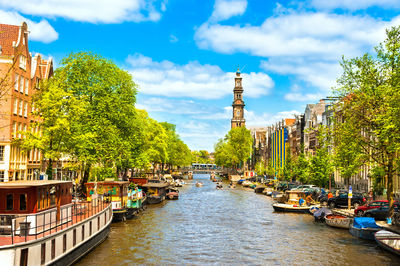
370, 107
302, 168
87, 111
235, 148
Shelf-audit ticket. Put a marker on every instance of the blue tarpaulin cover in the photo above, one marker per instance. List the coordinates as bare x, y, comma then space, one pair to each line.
365, 222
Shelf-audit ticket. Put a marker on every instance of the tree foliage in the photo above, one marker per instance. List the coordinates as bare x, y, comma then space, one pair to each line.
235, 148
368, 114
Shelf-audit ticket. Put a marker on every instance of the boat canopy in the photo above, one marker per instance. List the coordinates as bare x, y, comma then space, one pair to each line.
365, 222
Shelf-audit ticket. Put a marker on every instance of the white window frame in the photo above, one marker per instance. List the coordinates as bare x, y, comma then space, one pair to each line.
26, 109
16, 82
15, 106
21, 107
21, 84
19, 130
22, 62
26, 86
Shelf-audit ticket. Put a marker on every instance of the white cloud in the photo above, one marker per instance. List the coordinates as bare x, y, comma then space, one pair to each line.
354, 4
39, 31
296, 34
225, 9
172, 106
297, 95
267, 119
94, 11
320, 73
173, 38
193, 80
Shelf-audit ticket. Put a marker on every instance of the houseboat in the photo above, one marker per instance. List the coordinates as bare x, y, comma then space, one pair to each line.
155, 191
115, 192
135, 198
41, 225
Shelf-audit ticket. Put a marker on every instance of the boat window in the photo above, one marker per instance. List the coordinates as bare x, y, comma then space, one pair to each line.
53, 249
22, 202
10, 202
52, 196
74, 237
64, 242
90, 228
47, 197
43, 254
42, 199
24, 257
83, 232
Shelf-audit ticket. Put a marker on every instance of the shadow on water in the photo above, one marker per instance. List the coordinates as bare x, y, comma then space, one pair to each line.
229, 226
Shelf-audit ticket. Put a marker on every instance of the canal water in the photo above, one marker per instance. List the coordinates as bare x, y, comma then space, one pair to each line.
229, 227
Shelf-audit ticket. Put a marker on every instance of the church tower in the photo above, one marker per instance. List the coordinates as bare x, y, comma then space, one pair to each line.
238, 103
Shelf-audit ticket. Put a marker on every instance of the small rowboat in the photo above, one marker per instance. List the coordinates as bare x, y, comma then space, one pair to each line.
364, 227
284, 207
199, 184
338, 221
389, 241
259, 189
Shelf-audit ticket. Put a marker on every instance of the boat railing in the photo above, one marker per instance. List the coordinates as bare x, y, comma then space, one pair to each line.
22, 228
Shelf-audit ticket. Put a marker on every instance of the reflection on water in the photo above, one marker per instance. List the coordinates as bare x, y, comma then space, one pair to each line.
230, 226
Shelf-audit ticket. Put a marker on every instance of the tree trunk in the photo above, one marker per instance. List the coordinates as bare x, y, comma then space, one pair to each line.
389, 191
49, 170
85, 178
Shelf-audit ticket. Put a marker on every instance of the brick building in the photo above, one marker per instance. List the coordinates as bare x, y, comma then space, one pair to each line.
20, 77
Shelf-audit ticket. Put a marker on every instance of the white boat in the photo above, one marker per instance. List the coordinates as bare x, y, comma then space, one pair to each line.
285, 207
41, 225
389, 241
338, 221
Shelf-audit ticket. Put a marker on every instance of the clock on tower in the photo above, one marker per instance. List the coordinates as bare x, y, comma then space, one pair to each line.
238, 103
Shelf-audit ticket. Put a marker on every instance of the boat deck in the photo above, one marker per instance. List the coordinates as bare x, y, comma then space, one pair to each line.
80, 212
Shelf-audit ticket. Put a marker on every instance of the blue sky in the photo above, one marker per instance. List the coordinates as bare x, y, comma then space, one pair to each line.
183, 53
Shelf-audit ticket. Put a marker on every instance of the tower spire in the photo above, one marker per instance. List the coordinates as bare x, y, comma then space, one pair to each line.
238, 103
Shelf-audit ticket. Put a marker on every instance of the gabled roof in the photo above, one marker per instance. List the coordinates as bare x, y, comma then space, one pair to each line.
8, 35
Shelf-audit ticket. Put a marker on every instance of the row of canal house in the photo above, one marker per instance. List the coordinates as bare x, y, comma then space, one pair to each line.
272, 143
21, 74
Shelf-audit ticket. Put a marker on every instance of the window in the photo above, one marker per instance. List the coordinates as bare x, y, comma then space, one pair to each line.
1, 176
24, 130
74, 237
24, 257
26, 109
43, 254
90, 228
16, 82
53, 249
22, 62
15, 106
10, 202
19, 129
21, 107
98, 223
83, 232
21, 84
33, 108
1, 153
14, 133
26, 86
64, 242
22, 202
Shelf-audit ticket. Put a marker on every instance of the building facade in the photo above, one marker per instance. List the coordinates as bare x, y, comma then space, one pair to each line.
21, 75
238, 103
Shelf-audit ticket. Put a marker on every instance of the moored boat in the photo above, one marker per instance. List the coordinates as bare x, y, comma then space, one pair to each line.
156, 191
114, 191
199, 184
338, 221
389, 241
285, 207
41, 225
320, 213
172, 193
259, 189
364, 228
